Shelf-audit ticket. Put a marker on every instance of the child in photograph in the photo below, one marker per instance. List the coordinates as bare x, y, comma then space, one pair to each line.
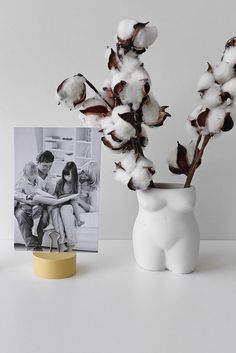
68, 185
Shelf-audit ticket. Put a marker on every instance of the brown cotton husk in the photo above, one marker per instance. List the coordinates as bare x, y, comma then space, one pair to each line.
129, 118
113, 61
202, 118
119, 88
98, 110
228, 123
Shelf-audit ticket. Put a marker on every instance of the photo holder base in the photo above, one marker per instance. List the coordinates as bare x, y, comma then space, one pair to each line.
54, 265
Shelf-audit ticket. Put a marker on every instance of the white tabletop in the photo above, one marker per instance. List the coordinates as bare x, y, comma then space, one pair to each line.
114, 306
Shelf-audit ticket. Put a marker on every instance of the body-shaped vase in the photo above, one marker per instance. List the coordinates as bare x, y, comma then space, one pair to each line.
166, 234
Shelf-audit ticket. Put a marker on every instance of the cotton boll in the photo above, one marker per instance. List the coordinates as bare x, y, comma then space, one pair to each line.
215, 120
195, 113
223, 72
230, 87
130, 63
151, 110
140, 74
144, 162
120, 109
212, 97
122, 176
140, 179
117, 77
90, 121
114, 146
145, 37
129, 161
72, 91
132, 94
107, 124
137, 86
205, 82
123, 130
230, 55
125, 29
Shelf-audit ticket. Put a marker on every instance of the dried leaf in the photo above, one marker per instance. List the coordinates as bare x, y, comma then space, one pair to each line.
175, 170
98, 110
182, 160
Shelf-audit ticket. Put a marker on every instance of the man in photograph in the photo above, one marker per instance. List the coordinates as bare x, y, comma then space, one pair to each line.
25, 204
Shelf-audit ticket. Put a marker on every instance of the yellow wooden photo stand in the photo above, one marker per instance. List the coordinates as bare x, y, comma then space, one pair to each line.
54, 265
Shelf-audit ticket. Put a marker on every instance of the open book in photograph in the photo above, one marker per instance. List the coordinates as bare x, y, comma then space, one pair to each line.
56, 195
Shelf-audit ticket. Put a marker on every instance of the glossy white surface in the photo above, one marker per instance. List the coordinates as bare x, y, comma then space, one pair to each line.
112, 305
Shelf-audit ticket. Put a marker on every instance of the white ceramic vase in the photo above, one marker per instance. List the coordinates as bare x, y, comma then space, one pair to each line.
166, 234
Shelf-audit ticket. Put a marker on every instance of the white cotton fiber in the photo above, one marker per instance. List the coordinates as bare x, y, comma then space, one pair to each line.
151, 110
132, 94
190, 147
122, 176
230, 55
114, 144
212, 97
124, 130
191, 130
205, 81
145, 37
89, 121
72, 91
141, 178
215, 120
125, 29
118, 77
195, 113
128, 161
106, 124
230, 87
144, 162
172, 158
130, 63
134, 91
223, 72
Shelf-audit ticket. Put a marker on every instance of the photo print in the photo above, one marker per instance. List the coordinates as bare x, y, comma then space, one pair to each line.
56, 195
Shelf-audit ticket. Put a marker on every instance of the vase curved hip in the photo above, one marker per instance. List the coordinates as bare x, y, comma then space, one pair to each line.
166, 234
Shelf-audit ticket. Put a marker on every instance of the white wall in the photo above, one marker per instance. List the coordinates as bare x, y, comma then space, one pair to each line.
43, 42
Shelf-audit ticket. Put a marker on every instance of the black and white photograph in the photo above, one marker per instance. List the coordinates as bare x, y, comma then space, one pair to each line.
56, 194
